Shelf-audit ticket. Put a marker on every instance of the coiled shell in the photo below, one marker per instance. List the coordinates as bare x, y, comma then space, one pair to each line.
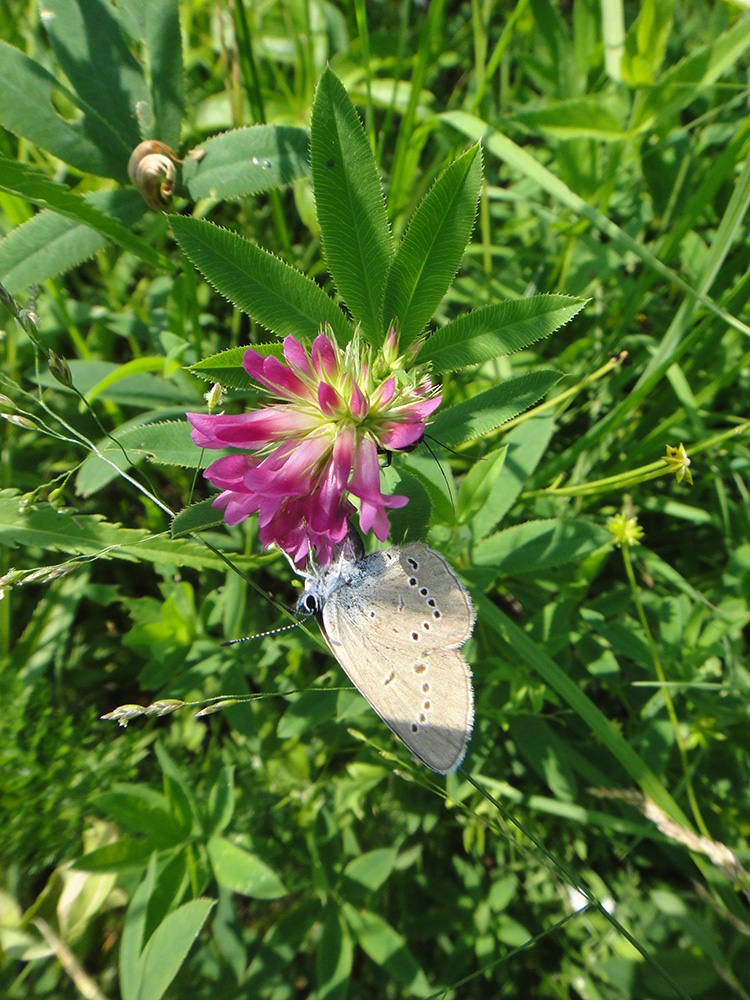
152, 170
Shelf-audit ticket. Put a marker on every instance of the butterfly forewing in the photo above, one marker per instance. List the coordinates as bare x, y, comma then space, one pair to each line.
414, 595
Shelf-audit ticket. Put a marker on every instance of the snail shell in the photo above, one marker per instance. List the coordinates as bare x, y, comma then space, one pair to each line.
152, 170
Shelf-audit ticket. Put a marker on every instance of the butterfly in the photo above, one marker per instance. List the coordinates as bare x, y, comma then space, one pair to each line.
396, 620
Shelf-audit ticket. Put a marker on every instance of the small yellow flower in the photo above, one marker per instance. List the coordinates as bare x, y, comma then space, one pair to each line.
626, 530
678, 462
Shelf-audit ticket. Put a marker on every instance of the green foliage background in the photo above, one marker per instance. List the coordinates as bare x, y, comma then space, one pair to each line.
286, 845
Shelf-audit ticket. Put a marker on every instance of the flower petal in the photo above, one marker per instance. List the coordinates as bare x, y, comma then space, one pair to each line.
324, 358
249, 430
296, 355
289, 470
275, 375
365, 481
228, 473
397, 436
328, 399
358, 403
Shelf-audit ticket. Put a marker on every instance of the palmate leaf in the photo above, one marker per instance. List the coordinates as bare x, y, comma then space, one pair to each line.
351, 208
473, 418
431, 250
92, 145
102, 70
49, 243
18, 179
497, 330
273, 293
247, 160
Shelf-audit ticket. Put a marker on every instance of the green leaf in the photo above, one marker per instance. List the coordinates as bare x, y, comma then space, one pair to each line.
49, 243
226, 366
243, 872
306, 712
691, 77
536, 545
485, 412
141, 809
163, 41
526, 445
125, 855
593, 116
432, 476
519, 159
476, 490
167, 443
334, 957
246, 161
104, 73
431, 251
221, 801
95, 472
168, 947
125, 385
273, 293
196, 517
387, 949
20, 180
44, 526
497, 330
28, 109
173, 881
371, 870
133, 933
537, 741
88, 534
570, 691
179, 553
81, 901
350, 205
276, 953
182, 802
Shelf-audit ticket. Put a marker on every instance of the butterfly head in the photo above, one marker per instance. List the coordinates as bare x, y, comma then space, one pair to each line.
309, 602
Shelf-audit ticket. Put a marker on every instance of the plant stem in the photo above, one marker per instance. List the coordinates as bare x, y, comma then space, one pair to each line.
665, 690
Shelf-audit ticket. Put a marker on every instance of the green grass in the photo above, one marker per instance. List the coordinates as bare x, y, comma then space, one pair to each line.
286, 845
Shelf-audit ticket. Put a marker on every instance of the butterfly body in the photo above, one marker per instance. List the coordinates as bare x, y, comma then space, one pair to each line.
395, 621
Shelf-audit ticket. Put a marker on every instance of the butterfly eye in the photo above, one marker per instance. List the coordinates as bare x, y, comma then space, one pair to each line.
310, 604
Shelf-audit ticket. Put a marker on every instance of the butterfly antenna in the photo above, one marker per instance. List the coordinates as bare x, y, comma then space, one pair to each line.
261, 635
442, 471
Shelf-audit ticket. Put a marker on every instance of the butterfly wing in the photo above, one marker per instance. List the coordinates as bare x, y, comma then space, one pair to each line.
414, 595
400, 657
